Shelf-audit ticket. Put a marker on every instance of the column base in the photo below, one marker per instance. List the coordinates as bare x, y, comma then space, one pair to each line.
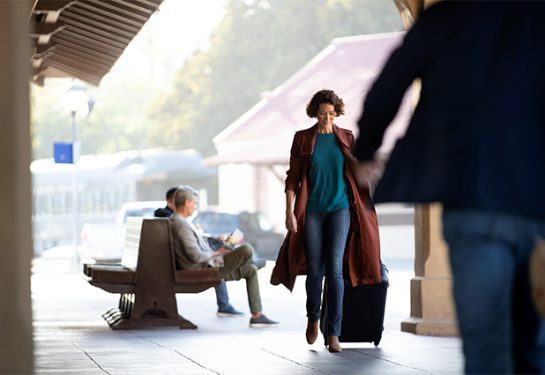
430, 327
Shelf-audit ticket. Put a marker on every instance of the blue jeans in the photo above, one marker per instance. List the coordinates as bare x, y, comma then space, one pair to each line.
489, 256
325, 239
222, 297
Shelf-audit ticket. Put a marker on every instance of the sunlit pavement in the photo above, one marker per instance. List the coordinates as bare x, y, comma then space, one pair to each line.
71, 337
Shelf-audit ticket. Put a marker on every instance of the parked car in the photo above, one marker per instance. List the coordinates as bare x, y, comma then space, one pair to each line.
104, 242
256, 227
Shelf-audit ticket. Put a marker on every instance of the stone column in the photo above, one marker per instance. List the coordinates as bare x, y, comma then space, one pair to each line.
432, 310
16, 352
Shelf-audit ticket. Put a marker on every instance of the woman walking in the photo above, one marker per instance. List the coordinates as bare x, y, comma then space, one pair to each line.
330, 220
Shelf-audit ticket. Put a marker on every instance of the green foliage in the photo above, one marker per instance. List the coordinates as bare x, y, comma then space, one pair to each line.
257, 46
118, 121
49, 123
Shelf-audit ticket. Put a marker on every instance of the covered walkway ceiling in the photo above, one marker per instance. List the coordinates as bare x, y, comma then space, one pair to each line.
83, 38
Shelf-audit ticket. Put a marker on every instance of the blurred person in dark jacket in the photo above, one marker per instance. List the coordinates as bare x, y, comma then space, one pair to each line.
169, 208
476, 143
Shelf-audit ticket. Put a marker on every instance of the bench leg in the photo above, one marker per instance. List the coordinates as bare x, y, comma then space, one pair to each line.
143, 323
122, 317
123, 311
185, 324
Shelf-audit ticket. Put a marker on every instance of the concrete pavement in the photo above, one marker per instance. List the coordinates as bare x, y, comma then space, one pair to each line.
71, 337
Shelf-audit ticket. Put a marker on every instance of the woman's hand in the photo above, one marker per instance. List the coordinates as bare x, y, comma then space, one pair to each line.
291, 222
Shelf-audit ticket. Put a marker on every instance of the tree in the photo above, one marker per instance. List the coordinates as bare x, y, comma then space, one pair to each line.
118, 121
257, 46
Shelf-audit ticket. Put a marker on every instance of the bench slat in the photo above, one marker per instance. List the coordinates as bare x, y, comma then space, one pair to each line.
88, 268
113, 275
113, 288
133, 231
194, 288
197, 276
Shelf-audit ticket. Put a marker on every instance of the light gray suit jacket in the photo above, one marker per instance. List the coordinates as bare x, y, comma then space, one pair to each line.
191, 248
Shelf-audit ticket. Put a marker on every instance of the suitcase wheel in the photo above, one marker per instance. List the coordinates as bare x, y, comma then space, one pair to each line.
376, 342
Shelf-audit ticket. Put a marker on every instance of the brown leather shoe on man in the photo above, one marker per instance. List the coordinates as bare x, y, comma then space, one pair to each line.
333, 344
312, 332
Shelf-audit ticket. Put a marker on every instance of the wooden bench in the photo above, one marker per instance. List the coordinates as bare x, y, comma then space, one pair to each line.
147, 279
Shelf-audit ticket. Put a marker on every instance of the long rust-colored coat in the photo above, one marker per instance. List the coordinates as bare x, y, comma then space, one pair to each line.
362, 252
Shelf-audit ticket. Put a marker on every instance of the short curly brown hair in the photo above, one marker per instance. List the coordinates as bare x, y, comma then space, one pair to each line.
325, 96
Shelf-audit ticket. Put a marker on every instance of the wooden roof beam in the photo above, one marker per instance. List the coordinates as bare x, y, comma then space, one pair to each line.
105, 21
45, 49
86, 48
51, 9
82, 25
87, 77
45, 6
44, 31
41, 52
142, 6
41, 29
81, 33
36, 63
39, 80
71, 72
76, 19
151, 3
89, 42
63, 50
82, 44
83, 40
94, 8
77, 66
68, 56
38, 69
123, 9
34, 2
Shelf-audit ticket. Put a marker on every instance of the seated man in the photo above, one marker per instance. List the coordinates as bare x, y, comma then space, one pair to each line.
193, 251
169, 208
225, 309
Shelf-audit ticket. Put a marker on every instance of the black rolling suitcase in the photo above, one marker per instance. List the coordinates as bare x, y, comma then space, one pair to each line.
363, 311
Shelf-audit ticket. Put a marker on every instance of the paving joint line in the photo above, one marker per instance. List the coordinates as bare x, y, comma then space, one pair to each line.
177, 352
293, 361
395, 363
87, 354
234, 340
285, 358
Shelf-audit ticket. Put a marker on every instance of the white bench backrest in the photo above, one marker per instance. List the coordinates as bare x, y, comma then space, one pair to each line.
132, 242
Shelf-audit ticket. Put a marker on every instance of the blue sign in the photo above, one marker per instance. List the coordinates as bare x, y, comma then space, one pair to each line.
63, 152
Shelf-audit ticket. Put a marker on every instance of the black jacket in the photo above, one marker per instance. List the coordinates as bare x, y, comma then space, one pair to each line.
163, 212
477, 135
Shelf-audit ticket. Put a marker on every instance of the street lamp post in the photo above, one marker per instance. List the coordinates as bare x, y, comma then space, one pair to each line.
75, 158
76, 101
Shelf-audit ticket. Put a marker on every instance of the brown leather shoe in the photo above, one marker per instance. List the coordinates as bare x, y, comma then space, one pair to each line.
312, 332
333, 344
